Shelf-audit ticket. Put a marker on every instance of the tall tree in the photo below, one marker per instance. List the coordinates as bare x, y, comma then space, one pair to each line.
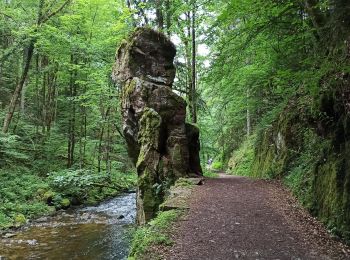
41, 19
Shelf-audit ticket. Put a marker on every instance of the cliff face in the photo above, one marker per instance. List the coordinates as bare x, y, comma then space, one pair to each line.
162, 146
311, 152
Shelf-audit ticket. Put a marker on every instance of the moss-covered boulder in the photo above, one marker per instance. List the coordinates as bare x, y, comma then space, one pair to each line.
19, 220
160, 143
65, 203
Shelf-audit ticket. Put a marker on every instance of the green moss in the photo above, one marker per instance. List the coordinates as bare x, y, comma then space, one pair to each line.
147, 162
48, 196
150, 198
128, 89
332, 195
20, 220
183, 182
65, 203
156, 232
277, 146
210, 174
149, 128
142, 155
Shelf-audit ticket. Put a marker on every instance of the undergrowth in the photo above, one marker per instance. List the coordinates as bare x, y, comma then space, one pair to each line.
241, 160
21, 197
25, 195
300, 177
154, 233
210, 174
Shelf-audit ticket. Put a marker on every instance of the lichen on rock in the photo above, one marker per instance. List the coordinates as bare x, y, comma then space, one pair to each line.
160, 143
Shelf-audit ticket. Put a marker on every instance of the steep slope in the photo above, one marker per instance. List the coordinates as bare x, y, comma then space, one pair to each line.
309, 147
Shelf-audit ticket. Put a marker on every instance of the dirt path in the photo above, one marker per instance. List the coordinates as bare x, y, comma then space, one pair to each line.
239, 218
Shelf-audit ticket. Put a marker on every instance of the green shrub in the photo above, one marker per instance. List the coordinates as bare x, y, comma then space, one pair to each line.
5, 221
241, 160
20, 220
65, 203
217, 165
183, 182
9, 152
210, 174
19, 196
88, 186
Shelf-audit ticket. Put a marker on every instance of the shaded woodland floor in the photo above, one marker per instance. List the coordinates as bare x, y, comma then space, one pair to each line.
239, 218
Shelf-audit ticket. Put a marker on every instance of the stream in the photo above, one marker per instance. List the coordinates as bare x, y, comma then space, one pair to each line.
98, 232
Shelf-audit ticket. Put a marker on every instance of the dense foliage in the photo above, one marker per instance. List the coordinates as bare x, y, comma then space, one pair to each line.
66, 115
267, 81
278, 93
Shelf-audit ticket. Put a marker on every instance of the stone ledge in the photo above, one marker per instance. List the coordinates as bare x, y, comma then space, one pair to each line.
180, 193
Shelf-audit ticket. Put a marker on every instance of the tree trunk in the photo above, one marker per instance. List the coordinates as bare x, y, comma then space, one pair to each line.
189, 63
248, 116
100, 145
159, 14
168, 17
19, 87
30, 50
71, 122
194, 73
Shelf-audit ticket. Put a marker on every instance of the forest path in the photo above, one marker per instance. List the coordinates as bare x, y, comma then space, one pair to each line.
239, 218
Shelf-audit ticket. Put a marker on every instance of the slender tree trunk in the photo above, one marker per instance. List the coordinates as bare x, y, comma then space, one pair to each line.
99, 159
248, 115
168, 17
108, 147
71, 122
43, 96
81, 157
51, 101
37, 92
30, 50
23, 99
188, 61
194, 72
19, 87
100, 145
159, 14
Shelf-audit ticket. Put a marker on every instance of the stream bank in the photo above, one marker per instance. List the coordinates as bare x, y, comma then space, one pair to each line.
96, 232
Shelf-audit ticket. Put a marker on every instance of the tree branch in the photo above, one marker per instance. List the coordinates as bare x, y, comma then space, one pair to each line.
49, 16
8, 16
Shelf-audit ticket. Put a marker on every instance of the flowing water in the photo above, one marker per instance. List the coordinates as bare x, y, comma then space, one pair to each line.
100, 232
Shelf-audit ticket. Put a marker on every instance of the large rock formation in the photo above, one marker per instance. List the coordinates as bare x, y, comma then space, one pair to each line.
160, 143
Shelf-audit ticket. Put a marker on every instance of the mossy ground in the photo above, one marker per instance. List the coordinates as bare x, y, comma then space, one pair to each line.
210, 174
155, 233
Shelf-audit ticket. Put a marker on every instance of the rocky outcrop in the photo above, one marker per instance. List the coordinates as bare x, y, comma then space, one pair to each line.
162, 146
311, 152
